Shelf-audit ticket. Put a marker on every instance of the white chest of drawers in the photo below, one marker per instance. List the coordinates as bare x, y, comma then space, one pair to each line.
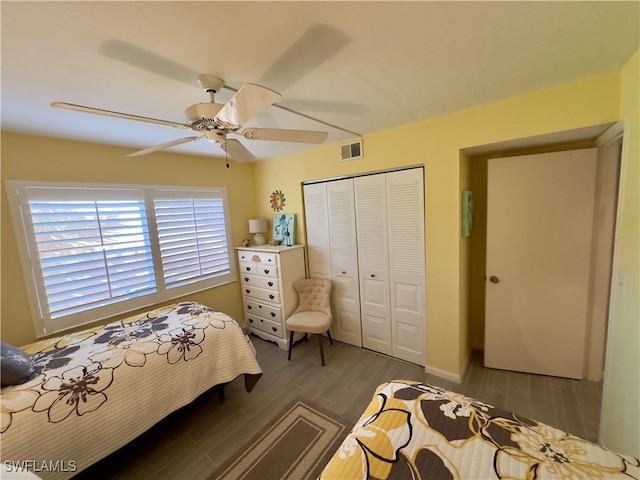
266, 276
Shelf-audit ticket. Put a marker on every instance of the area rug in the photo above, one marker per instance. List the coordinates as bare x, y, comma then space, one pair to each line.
297, 445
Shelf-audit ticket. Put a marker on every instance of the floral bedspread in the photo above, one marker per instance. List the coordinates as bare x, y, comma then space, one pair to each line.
412, 430
96, 390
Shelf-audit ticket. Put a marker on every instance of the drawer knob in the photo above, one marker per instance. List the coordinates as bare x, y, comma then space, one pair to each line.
249, 307
266, 270
246, 279
248, 269
275, 329
261, 321
271, 297
251, 320
248, 291
259, 306
270, 284
273, 314
344, 272
373, 276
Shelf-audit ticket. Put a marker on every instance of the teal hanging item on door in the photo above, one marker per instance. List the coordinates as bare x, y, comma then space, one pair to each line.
467, 213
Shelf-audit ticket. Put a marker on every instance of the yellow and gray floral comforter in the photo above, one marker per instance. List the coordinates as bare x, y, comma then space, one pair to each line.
98, 389
412, 430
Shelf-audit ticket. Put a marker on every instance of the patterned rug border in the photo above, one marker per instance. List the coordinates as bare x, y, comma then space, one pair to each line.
309, 463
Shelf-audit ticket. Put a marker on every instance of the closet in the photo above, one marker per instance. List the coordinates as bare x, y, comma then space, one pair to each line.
366, 234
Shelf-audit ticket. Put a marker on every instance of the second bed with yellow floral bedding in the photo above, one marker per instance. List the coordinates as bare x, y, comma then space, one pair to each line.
94, 391
412, 430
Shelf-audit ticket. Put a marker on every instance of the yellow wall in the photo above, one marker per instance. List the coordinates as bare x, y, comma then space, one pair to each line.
26, 157
620, 420
437, 144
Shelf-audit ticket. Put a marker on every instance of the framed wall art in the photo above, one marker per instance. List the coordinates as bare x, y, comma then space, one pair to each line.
284, 228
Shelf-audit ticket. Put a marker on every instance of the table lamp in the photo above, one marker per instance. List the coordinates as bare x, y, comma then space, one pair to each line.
258, 226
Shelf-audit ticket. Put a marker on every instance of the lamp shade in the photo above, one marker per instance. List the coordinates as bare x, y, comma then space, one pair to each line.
258, 226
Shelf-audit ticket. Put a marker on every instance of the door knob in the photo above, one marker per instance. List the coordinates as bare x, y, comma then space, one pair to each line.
494, 279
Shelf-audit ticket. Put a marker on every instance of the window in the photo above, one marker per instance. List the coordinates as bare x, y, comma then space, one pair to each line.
93, 251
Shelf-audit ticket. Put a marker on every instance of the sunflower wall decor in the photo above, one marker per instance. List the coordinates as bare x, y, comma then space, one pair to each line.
277, 201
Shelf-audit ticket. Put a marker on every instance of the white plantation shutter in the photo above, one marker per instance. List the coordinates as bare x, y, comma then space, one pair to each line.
93, 251
192, 237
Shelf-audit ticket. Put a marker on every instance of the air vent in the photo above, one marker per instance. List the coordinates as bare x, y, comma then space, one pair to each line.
351, 151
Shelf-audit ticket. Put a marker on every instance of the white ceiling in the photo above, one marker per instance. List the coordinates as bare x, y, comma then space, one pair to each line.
362, 66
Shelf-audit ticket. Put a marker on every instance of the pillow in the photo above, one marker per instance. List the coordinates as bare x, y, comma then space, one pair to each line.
15, 365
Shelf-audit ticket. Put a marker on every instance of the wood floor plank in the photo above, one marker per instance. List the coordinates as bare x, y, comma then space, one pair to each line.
193, 442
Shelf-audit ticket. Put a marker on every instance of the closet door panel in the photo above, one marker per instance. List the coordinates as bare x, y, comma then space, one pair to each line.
373, 262
405, 214
344, 262
317, 222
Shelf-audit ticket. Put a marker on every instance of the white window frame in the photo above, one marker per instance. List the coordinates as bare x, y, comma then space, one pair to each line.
21, 192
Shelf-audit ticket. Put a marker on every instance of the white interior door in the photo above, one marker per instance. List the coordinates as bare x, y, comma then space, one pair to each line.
373, 262
405, 217
344, 262
539, 234
317, 222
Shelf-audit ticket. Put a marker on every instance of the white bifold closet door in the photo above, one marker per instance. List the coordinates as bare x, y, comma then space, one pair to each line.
405, 233
367, 235
390, 230
373, 262
331, 243
344, 261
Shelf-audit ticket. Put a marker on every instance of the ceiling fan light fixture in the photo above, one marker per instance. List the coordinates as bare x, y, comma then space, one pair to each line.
216, 136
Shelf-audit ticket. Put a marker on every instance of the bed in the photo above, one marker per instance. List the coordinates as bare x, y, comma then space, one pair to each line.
412, 430
94, 391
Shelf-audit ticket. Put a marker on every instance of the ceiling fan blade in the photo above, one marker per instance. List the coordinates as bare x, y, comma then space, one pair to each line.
248, 102
284, 135
237, 151
173, 143
125, 116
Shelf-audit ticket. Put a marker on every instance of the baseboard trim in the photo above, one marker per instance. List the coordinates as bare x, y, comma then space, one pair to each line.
453, 377
443, 374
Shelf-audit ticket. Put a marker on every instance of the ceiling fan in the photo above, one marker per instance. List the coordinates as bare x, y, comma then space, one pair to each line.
215, 121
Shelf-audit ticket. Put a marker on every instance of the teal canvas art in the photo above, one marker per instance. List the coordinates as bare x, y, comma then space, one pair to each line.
284, 228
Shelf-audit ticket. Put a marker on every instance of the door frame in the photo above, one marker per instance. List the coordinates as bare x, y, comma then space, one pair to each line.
610, 145
591, 136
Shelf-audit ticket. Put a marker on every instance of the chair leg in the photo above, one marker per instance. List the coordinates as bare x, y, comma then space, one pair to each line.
329, 335
290, 344
321, 350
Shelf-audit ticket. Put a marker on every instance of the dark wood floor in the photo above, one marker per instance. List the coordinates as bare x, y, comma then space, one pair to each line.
193, 442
